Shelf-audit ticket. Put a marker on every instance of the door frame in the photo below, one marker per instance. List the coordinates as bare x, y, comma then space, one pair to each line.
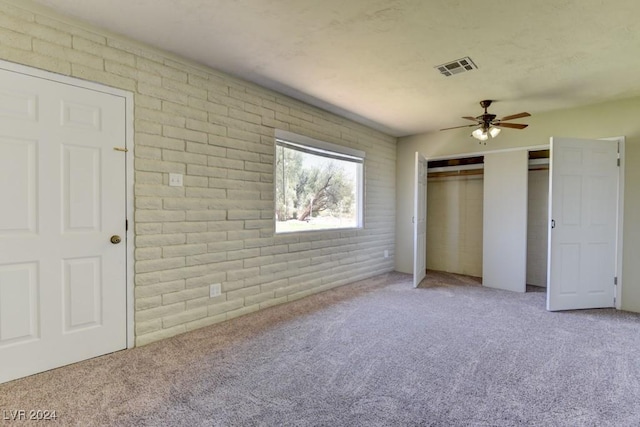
470, 154
483, 152
129, 172
620, 226
620, 223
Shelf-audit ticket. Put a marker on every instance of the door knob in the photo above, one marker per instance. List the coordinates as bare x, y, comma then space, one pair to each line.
115, 239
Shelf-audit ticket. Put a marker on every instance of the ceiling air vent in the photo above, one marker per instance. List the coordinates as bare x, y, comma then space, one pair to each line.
456, 67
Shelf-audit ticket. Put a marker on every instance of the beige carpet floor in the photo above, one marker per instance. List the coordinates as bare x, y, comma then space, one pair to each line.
373, 353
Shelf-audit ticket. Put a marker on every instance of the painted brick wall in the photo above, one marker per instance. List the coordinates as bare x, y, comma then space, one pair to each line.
219, 132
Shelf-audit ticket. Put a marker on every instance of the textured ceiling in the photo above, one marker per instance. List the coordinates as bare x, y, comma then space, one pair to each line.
372, 60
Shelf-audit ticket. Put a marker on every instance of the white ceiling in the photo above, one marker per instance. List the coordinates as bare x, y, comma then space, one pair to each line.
372, 60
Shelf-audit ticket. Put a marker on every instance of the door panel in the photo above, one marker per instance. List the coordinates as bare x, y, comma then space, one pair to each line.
18, 104
583, 231
420, 220
82, 293
81, 188
18, 303
62, 283
81, 116
18, 166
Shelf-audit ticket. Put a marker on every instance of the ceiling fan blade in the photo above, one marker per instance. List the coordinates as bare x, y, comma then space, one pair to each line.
471, 118
458, 127
510, 125
515, 116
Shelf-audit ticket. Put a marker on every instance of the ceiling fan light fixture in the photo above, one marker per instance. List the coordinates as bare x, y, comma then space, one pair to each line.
480, 134
487, 124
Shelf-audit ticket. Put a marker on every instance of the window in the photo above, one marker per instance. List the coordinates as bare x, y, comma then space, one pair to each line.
318, 185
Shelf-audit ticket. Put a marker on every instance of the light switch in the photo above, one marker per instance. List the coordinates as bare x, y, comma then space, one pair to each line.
215, 289
175, 180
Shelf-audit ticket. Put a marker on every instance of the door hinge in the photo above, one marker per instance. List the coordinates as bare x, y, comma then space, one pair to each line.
123, 149
615, 280
126, 225
618, 161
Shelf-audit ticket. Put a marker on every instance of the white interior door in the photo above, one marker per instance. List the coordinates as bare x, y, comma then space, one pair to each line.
583, 200
62, 187
420, 220
504, 240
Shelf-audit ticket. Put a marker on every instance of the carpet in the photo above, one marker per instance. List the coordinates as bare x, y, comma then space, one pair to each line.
372, 353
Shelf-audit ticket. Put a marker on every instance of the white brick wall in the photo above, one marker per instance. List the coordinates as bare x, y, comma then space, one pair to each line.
219, 132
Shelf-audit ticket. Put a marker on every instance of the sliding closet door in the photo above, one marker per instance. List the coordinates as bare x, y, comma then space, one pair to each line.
504, 262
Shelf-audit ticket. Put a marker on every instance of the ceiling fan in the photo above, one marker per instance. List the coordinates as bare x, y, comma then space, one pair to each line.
488, 125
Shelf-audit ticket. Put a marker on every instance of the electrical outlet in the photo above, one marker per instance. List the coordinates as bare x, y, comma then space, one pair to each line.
215, 290
386, 253
175, 179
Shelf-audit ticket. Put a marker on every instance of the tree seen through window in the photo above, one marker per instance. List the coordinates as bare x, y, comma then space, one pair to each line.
315, 189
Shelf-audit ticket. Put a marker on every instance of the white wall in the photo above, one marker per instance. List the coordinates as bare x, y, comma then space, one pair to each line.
454, 224
537, 227
614, 118
218, 131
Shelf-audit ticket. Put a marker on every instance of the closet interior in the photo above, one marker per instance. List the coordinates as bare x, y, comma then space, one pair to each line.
455, 223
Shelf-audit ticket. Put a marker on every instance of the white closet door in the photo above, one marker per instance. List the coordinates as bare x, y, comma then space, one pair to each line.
583, 206
420, 221
504, 262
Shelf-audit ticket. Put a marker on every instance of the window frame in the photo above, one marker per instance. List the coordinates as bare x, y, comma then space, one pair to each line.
325, 149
